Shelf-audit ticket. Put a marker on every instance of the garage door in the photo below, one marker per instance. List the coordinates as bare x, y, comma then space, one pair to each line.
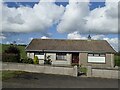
96, 58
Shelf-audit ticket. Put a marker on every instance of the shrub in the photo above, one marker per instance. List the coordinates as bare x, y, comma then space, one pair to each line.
83, 69
27, 60
10, 57
12, 49
36, 61
48, 60
12, 54
117, 60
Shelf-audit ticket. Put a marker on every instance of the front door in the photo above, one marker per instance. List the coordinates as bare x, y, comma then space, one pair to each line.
75, 58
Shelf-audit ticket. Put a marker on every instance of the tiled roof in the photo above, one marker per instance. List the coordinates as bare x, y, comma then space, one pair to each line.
69, 45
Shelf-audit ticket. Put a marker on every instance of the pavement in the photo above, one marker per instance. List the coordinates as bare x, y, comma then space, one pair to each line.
35, 80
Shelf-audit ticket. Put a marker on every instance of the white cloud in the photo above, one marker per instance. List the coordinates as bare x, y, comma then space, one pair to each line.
27, 19
73, 18
78, 17
30, 38
75, 35
44, 37
2, 37
7, 42
104, 20
98, 37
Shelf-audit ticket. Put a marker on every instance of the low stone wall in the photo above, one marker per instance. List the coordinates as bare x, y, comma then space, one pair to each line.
103, 73
72, 71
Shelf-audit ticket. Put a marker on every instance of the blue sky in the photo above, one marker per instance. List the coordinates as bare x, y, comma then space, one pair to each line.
57, 25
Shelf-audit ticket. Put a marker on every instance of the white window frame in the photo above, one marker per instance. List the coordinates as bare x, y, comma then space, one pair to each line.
96, 58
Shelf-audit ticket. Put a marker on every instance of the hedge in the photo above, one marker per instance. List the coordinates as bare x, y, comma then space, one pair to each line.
10, 57
27, 60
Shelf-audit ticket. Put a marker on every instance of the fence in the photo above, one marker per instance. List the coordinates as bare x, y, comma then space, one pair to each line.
72, 71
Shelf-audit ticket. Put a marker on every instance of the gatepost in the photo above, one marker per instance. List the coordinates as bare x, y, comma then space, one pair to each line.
75, 71
89, 71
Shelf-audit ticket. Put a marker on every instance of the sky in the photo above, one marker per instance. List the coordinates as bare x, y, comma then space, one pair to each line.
23, 21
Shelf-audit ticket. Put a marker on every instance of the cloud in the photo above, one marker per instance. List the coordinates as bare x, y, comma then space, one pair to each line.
73, 18
78, 17
2, 37
44, 37
112, 41
98, 37
75, 35
104, 20
27, 19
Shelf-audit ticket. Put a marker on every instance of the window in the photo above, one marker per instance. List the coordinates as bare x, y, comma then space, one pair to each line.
96, 57
96, 54
60, 56
40, 55
102, 55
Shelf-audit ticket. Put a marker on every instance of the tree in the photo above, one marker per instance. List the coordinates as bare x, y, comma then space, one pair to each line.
12, 49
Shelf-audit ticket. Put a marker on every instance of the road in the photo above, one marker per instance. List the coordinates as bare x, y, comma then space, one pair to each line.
33, 80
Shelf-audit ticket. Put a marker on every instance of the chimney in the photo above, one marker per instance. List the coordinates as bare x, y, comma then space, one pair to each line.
89, 37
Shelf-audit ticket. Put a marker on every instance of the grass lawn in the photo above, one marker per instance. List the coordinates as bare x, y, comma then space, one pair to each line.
3, 47
9, 74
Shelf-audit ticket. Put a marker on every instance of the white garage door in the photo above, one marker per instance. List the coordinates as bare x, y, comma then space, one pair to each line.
96, 58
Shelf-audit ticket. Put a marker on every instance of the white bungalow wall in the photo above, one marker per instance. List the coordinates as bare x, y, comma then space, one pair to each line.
30, 55
66, 62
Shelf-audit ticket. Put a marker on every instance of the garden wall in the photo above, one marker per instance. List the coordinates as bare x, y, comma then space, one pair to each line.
72, 71
103, 73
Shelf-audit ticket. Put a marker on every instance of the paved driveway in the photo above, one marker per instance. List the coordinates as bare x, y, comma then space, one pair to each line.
33, 80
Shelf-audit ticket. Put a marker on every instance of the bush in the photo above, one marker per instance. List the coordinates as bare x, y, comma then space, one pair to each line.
83, 69
48, 60
12, 54
10, 57
27, 60
12, 49
36, 61
117, 60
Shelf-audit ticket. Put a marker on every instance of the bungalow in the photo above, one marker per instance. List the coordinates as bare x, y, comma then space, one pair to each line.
96, 53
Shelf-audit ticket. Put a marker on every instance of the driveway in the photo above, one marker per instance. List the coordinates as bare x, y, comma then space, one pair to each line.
34, 80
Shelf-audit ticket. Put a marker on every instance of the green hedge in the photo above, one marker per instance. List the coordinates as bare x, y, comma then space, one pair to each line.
117, 60
10, 57
27, 60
